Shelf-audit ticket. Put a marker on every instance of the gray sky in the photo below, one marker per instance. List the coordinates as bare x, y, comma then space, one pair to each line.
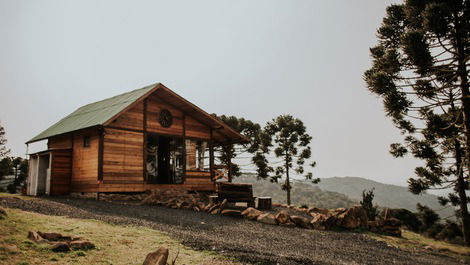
255, 59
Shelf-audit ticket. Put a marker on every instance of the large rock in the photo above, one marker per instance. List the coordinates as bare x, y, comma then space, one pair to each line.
50, 236
60, 247
267, 218
314, 210
282, 217
353, 218
34, 236
158, 257
251, 213
300, 221
81, 245
319, 221
232, 213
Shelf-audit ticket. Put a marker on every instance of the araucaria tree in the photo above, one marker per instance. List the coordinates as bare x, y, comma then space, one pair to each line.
291, 144
4, 151
226, 154
420, 70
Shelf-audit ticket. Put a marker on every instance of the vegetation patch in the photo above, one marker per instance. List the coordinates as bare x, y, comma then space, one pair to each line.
115, 244
412, 241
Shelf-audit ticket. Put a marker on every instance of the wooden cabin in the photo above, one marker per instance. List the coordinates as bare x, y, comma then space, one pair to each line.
149, 138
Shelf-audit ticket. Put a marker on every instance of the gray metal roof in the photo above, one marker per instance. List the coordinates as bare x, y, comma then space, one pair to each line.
93, 114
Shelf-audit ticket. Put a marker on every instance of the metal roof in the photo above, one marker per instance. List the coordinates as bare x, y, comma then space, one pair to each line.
93, 114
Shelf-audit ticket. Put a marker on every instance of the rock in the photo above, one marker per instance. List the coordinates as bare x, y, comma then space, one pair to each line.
251, 213
282, 217
34, 236
60, 247
158, 257
232, 213
353, 218
81, 245
213, 207
289, 223
276, 204
300, 221
319, 221
315, 210
267, 218
223, 204
50, 236
3, 213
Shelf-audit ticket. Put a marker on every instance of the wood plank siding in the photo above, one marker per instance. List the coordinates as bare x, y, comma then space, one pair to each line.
61, 171
123, 156
85, 159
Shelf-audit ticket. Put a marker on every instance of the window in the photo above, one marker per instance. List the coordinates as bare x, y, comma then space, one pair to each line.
86, 141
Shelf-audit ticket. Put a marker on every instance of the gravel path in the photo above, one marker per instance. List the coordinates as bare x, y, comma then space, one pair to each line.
248, 241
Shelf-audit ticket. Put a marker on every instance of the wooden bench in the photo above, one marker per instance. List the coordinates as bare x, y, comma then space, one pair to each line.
235, 192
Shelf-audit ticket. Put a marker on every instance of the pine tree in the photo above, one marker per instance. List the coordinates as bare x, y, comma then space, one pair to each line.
420, 70
4, 151
368, 204
291, 144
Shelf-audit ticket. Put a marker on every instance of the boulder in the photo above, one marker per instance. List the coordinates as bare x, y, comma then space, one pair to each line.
81, 245
300, 221
353, 218
267, 218
315, 210
251, 213
282, 217
289, 223
223, 204
60, 247
319, 221
34, 236
232, 213
158, 257
50, 236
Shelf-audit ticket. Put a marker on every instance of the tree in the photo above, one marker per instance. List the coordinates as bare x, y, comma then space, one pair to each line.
420, 70
4, 151
368, 205
427, 216
227, 153
291, 144
6, 167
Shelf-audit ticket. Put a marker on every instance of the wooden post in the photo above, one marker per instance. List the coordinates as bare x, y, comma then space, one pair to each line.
229, 164
264, 203
184, 148
144, 172
211, 156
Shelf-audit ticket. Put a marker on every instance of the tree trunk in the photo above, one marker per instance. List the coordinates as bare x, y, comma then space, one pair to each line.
464, 86
288, 185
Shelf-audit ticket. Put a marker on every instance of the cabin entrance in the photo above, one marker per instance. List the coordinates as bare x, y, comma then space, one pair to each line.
164, 160
40, 174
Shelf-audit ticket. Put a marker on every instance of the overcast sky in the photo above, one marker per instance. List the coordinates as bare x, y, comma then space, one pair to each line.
255, 59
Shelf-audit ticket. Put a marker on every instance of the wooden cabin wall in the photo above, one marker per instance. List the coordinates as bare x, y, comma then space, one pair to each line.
154, 106
131, 119
60, 142
85, 160
123, 156
195, 129
61, 172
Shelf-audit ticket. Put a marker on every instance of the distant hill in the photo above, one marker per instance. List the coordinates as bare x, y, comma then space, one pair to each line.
302, 193
386, 195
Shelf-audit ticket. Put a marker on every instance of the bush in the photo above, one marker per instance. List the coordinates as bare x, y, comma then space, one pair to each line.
408, 218
11, 188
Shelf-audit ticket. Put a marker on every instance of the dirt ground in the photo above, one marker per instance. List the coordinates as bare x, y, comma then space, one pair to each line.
247, 241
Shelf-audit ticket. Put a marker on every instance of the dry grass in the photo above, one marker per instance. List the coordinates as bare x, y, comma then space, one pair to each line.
416, 242
115, 244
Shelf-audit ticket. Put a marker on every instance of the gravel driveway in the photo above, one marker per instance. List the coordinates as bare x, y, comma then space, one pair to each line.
248, 241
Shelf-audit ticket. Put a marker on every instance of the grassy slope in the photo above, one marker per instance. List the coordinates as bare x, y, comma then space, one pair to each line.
412, 241
115, 244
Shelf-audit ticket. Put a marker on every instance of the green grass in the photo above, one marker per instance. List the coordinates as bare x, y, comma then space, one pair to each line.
115, 244
414, 241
